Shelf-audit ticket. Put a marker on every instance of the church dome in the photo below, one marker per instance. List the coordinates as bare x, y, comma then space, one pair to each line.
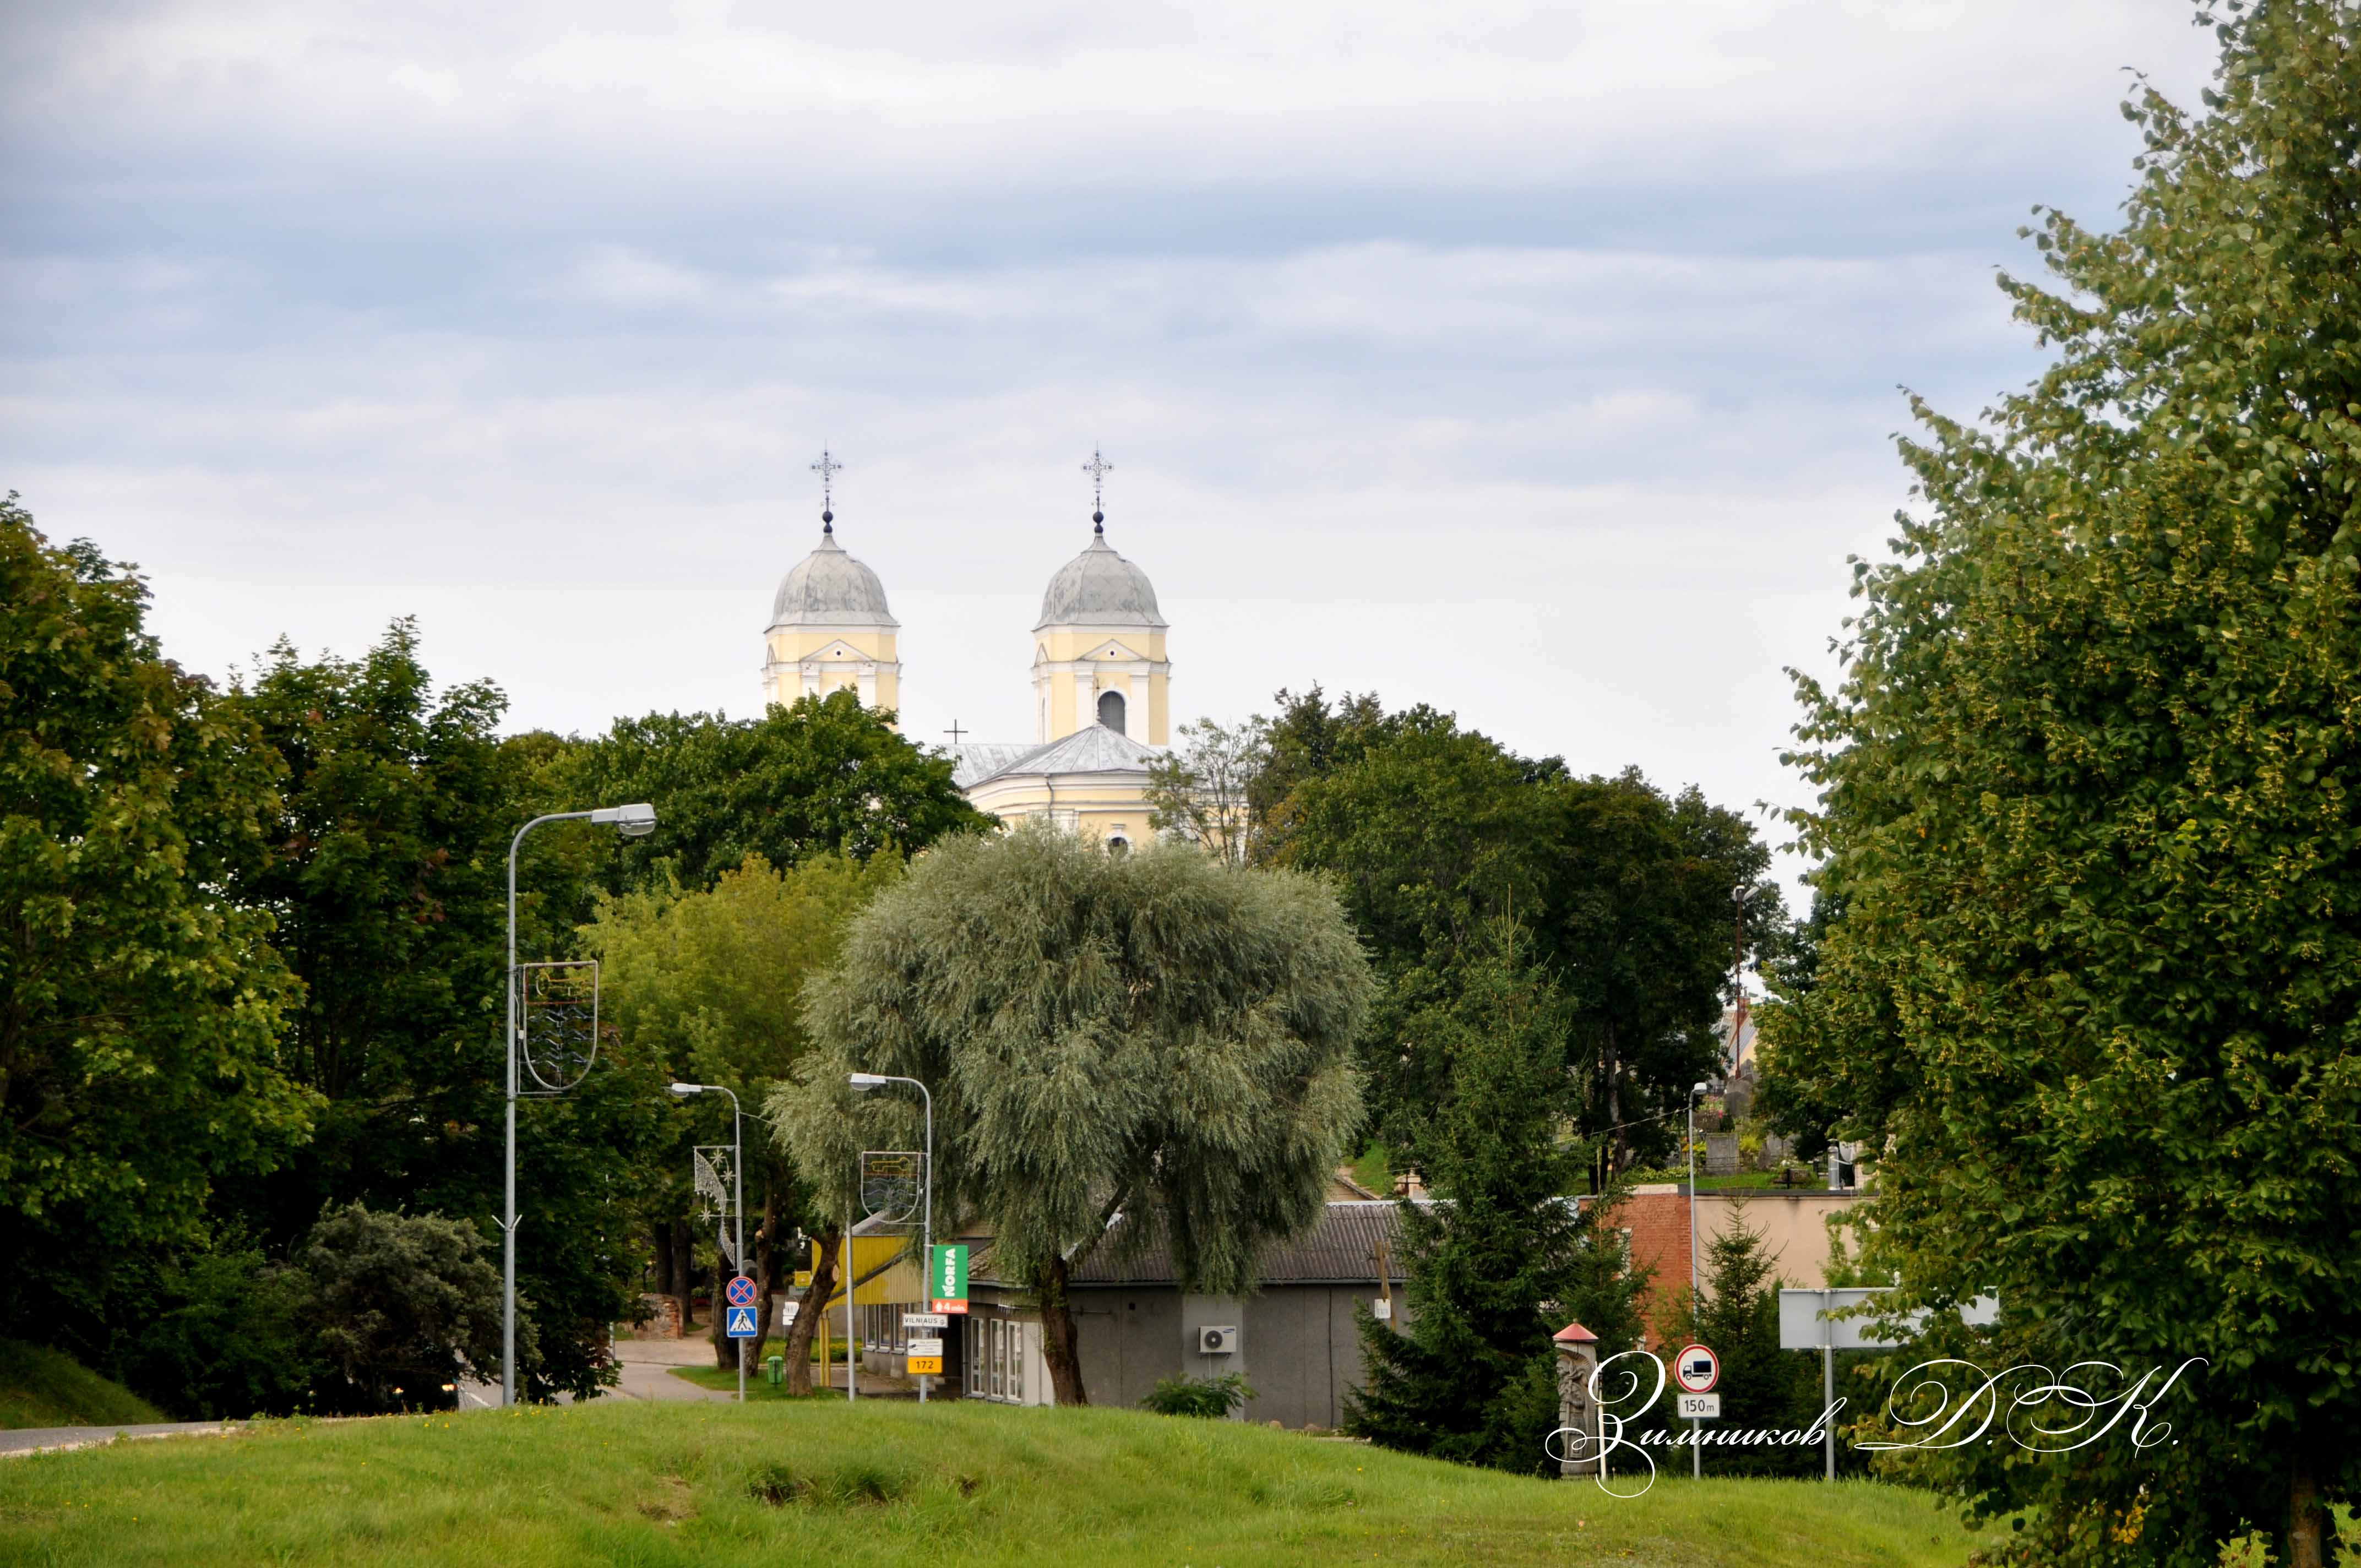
828, 587
1099, 587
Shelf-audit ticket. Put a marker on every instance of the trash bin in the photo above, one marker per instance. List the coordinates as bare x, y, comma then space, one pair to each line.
776, 1370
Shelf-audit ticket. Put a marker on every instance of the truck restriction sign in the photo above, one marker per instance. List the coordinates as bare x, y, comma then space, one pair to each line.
1697, 1369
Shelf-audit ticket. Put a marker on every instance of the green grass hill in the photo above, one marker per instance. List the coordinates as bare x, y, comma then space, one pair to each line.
43, 1387
894, 1483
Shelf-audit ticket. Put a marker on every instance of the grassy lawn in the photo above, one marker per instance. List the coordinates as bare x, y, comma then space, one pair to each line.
652, 1484
42, 1387
757, 1385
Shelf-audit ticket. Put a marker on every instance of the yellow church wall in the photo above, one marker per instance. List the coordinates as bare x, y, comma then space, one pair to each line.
1095, 806
845, 651
1073, 646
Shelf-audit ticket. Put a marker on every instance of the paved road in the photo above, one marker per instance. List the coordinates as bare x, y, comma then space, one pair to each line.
648, 1363
44, 1440
647, 1367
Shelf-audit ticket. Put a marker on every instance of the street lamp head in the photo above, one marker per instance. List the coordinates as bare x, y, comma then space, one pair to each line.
1700, 1088
686, 1089
865, 1082
631, 821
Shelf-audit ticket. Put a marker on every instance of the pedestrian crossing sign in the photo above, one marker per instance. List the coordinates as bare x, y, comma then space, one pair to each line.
742, 1322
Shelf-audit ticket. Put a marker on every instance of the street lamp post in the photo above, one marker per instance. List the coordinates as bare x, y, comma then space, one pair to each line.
865, 1082
632, 822
1697, 1452
738, 1189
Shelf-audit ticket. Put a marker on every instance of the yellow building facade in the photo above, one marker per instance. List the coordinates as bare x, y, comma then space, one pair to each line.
1102, 684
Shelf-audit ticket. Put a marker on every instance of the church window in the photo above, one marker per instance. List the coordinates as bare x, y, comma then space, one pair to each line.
1111, 709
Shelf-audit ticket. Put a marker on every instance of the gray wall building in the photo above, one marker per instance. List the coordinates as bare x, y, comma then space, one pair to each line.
1295, 1339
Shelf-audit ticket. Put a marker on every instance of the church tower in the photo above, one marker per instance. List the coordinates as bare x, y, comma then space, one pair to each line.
829, 627
1098, 649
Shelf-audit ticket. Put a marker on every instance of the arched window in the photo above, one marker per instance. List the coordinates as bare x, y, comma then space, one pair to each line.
1118, 846
1111, 710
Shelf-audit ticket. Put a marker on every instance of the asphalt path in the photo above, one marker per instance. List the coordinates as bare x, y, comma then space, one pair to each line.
50, 1440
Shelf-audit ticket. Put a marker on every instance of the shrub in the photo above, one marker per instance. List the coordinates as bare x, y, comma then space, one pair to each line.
1213, 1397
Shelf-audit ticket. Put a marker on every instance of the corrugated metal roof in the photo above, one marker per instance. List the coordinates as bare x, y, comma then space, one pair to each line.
1341, 1248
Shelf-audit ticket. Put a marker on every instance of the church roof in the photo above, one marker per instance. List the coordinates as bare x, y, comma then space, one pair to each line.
978, 761
828, 587
1099, 587
1092, 748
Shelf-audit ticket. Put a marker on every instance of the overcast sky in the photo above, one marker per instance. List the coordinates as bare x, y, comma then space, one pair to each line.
1539, 362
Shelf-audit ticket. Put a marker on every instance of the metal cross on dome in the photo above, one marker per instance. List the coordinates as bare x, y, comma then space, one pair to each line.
1098, 468
827, 468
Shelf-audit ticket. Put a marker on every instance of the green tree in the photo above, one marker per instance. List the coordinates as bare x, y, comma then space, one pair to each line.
1500, 1258
825, 776
1203, 791
712, 983
2088, 796
140, 1008
1435, 832
388, 885
1640, 920
227, 1334
1153, 1035
405, 1304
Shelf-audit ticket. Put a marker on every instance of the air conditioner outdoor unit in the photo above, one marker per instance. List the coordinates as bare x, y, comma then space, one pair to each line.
1221, 1340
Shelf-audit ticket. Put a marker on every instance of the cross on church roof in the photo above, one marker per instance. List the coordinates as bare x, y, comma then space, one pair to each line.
1098, 468
955, 731
827, 468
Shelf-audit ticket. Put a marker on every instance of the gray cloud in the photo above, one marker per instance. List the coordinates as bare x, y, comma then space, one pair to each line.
1534, 361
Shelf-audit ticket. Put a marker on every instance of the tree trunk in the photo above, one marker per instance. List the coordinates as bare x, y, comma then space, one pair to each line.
660, 1231
684, 1259
2305, 1547
766, 1272
807, 1316
1057, 1347
1618, 1145
725, 1349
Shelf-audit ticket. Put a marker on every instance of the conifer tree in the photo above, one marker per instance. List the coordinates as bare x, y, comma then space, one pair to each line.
1762, 1386
1501, 1256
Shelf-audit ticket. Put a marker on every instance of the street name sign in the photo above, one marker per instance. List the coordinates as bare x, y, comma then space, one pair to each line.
742, 1322
925, 1321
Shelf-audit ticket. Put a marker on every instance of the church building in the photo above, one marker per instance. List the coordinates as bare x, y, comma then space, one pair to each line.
1102, 697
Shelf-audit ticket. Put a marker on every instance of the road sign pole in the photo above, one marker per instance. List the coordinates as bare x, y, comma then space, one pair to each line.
926, 1216
852, 1345
1828, 1379
737, 1201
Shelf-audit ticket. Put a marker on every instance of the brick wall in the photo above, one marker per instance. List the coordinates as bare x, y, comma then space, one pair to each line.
1658, 1224
1793, 1225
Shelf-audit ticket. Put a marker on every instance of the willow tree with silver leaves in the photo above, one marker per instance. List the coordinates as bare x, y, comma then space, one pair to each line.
1155, 1035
